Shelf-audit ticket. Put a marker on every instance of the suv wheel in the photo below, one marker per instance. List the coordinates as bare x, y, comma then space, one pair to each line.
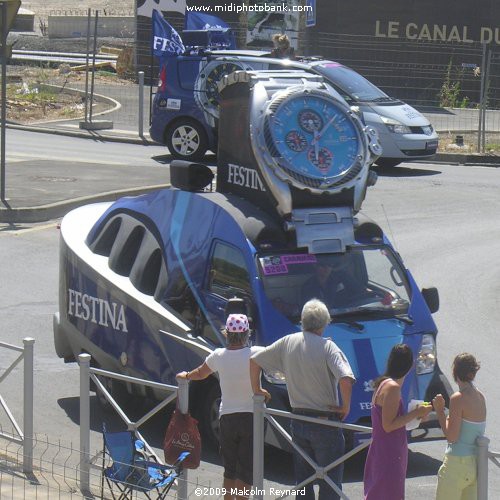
186, 140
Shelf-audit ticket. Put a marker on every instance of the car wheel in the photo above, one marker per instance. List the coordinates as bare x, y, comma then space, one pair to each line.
186, 140
209, 419
388, 162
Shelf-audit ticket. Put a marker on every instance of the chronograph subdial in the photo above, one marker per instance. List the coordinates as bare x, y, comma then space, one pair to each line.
323, 160
310, 121
296, 141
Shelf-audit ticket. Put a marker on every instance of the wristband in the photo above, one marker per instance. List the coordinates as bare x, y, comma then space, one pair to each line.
187, 375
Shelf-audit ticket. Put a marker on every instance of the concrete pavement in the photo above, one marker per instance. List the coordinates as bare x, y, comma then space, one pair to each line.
47, 176
39, 190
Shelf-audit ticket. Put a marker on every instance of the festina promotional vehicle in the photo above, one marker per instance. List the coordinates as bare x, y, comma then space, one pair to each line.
145, 281
185, 108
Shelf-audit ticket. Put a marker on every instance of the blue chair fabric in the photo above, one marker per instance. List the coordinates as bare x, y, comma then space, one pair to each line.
131, 470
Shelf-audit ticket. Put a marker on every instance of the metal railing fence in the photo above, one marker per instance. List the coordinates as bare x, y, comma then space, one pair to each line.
261, 413
56, 474
22, 436
96, 375
484, 455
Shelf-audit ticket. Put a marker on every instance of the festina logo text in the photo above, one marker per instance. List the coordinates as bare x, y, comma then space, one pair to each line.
165, 45
96, 310
241, 176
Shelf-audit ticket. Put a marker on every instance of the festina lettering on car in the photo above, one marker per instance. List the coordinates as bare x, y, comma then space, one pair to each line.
242, 176
96, 310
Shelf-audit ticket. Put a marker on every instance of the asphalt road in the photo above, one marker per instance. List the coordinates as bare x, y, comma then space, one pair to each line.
442, 219
21, 145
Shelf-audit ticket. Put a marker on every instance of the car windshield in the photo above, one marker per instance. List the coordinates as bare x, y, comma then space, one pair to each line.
357, 87
364, 282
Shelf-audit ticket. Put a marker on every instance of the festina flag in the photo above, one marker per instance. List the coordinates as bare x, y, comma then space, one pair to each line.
165, 41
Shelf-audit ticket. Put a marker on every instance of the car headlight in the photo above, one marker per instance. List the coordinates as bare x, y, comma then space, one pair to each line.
395, 127
428, 130
275, 377
427, 355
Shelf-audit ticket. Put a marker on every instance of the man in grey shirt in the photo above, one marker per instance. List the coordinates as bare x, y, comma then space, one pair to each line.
314, 368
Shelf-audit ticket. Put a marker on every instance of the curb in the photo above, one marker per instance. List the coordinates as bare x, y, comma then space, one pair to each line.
466, 159
85, 135
44, 213
97, 97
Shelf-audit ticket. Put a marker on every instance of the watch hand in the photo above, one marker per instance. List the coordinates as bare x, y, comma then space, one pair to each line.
318, 137
316, 144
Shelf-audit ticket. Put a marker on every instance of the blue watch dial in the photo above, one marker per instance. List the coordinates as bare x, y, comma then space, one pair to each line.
314, 137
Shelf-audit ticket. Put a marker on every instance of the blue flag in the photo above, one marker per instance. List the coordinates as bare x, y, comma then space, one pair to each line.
198, 21
165, 40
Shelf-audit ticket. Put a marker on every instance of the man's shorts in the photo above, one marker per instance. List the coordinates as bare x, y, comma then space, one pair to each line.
236, 446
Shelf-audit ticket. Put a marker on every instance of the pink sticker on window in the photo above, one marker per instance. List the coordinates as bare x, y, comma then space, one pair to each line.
271, 269
301, 258
331, 65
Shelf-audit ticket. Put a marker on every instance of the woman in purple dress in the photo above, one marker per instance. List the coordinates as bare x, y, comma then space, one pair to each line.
385, 468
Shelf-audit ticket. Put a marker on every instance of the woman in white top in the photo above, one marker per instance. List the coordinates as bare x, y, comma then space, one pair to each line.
465, 423
236, 408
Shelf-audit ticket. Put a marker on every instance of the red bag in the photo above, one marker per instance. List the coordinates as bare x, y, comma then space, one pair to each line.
182, 435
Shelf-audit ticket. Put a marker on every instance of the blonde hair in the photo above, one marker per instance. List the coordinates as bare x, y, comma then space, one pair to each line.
281, 40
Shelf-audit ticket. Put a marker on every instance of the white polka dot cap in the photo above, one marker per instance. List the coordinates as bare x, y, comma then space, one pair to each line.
237, 323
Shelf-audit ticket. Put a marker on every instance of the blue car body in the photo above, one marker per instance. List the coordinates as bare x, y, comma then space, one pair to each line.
120, 298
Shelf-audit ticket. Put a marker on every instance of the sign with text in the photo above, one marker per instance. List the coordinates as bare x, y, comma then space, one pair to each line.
413, 20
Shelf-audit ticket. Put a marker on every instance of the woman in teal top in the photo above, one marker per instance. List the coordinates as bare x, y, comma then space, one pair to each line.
466, 421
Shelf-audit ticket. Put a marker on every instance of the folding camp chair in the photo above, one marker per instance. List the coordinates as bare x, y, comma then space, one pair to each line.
132, 470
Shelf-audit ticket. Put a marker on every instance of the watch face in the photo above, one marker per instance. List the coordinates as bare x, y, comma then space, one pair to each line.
213, 78
314, 137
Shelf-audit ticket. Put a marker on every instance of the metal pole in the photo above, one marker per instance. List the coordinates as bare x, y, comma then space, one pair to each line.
89, 15
4, 100
183, 405
481, 97
84, 360
29, 345
258, 446
93, 64
141, 103
482, 467
486, 92
151, 69
183, 396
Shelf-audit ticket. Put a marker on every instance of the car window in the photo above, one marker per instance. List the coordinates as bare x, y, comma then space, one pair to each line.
228, 273
347, 81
